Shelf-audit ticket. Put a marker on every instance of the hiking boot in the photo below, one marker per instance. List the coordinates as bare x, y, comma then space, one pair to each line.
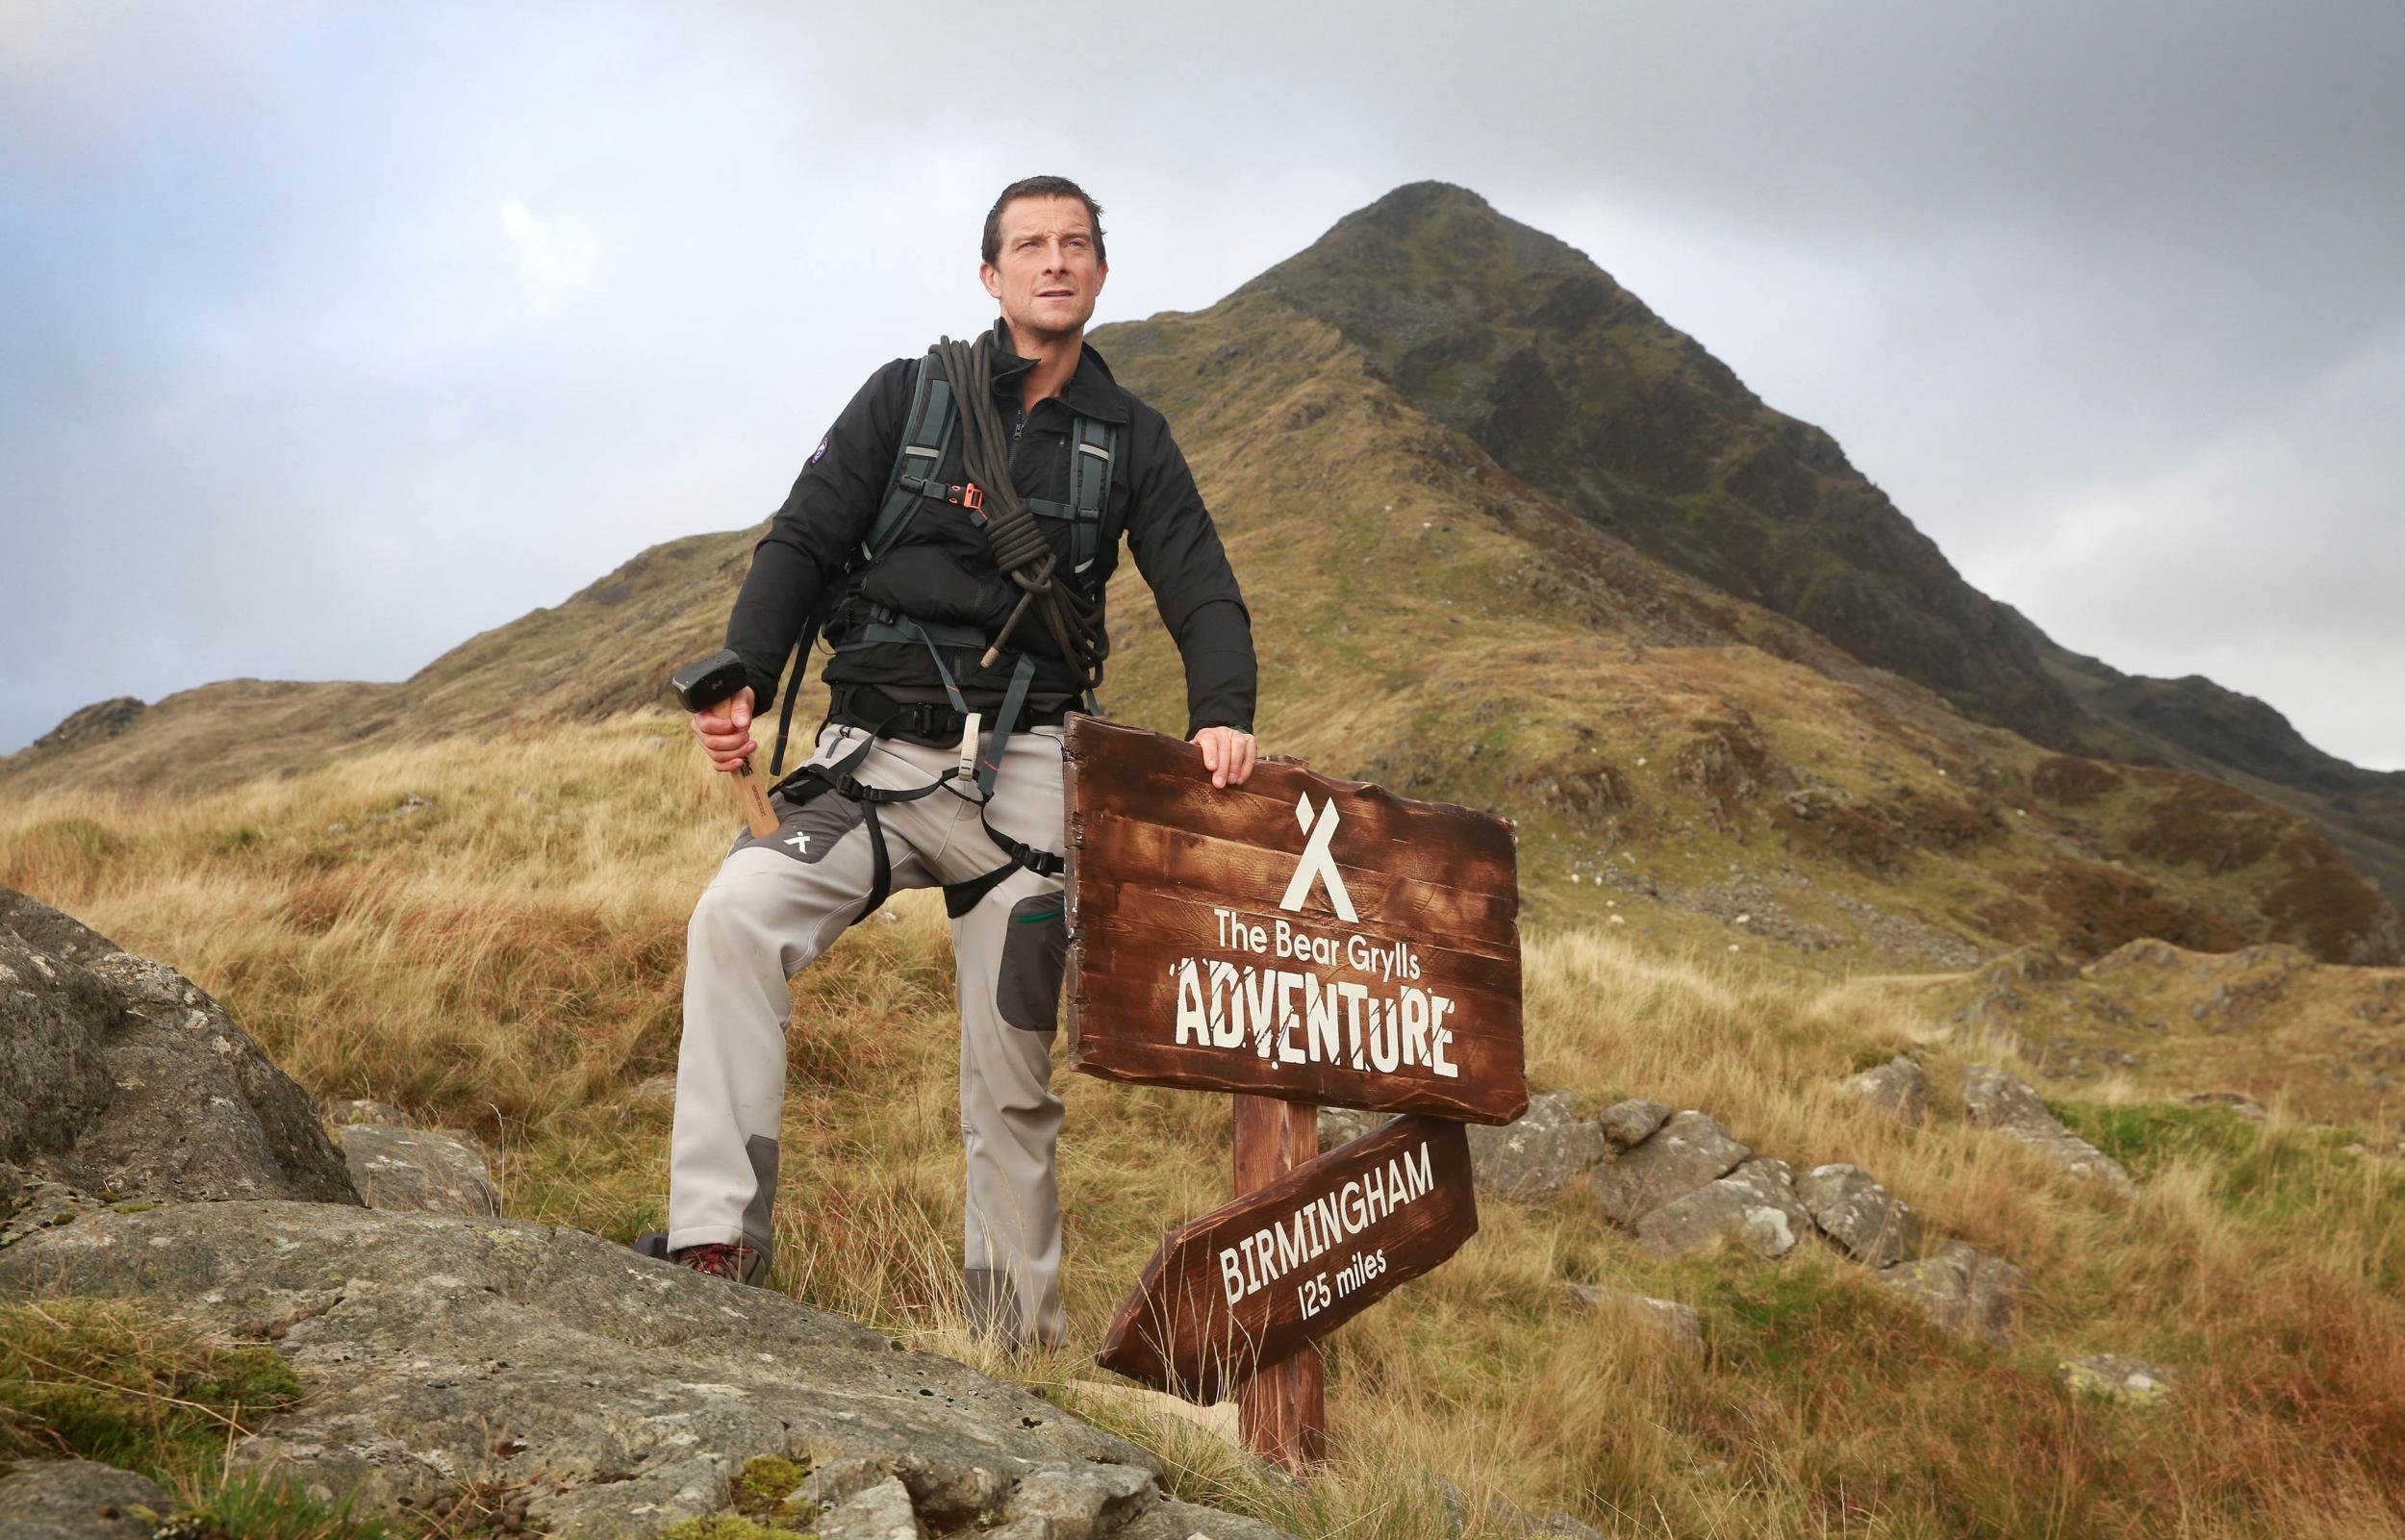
723, 1259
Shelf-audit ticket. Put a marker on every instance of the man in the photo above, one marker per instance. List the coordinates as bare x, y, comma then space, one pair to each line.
947, 617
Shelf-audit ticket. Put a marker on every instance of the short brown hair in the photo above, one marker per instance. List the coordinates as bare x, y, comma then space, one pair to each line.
1040, 186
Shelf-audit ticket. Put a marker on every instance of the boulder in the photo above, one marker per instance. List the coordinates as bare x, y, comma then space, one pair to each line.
1897, 1088
629, 1392
1755, 1203
1683, 1154
2131, 1382
77, 1500
1868, 1221
1536, 1154
121, 1081
1996, 1099
1678, 1323
1632, 1122
1960, 1288
408, 1167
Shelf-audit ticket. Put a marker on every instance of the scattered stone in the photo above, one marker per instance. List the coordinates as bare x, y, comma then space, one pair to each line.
1632, 1122
1559, 1523
831, 1482
341, 1113
1996, 1099
409, 1169
1897, 1088
1680, 1322
2245, 1106
1536, 1154
879, 1512
2131, 1382
1083, 1504
1342, 1126
1868, 1221
658, 1091
2144, 952
1682, 1156
1962, 1289
77, 1500
1755, 1203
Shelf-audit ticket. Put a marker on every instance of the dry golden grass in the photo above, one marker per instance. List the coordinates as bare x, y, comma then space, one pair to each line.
506, 959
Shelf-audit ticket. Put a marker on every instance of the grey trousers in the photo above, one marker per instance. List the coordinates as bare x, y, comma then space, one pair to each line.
777, 903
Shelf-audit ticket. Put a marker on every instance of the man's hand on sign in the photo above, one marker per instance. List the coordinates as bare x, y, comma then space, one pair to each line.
725, 730
1226, 753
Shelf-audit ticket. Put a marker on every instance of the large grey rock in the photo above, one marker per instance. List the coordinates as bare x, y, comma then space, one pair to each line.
1996, 1099
77, 1500
1961, 1288
1630, 1123
410, 1168
1869, 1224
628, 1391
1679, 1324
118, 1077
1755, 1203
1536, 1154
1897, 1088
1682, 1156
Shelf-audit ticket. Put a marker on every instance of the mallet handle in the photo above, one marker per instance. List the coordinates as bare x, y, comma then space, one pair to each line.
753, 789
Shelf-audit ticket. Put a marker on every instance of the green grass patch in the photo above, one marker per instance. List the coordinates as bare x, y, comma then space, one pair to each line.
2145, 1136
126, 1383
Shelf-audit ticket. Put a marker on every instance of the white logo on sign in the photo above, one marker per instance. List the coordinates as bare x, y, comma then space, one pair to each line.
1320, 827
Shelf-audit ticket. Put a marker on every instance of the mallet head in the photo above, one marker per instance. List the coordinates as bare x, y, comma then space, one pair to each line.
700, 686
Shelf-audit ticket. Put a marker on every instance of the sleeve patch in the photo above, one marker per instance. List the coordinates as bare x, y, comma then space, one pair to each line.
820, 453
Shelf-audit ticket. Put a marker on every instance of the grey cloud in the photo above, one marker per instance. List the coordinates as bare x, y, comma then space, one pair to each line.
272, 362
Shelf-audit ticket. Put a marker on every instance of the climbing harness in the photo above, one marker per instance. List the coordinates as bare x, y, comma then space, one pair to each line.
1064, 604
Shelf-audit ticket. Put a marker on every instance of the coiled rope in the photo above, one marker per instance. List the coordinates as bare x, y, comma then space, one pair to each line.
1021, 549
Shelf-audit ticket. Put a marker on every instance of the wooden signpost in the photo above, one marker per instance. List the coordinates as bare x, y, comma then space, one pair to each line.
1298, 941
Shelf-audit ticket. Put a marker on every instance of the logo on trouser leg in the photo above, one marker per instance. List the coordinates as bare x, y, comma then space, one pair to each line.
1317, 863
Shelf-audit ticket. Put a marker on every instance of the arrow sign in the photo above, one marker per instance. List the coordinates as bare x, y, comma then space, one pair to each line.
1250, 1284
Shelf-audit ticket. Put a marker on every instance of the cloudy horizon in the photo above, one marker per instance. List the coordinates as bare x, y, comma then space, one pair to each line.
337, 335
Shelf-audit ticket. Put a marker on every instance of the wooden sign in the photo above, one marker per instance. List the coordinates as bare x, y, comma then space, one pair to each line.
1297, 937
1253, 1283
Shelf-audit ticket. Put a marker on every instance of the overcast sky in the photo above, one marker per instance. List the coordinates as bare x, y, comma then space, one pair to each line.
332, 334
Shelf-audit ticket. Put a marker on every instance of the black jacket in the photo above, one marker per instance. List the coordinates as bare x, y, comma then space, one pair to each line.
941, 567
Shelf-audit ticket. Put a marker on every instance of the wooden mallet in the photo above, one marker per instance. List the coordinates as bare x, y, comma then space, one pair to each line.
705, 686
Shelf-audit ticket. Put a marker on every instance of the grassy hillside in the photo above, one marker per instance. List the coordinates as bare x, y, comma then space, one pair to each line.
503, 955
1693, 768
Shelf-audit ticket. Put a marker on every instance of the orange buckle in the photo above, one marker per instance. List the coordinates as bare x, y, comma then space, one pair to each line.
966, 495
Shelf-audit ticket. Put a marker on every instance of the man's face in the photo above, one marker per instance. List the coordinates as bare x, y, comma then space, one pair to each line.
1046, 273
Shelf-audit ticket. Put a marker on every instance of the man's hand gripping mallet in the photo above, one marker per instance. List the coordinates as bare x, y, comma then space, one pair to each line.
714, 690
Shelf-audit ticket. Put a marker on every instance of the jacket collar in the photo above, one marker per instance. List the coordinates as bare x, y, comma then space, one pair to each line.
1091, 391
